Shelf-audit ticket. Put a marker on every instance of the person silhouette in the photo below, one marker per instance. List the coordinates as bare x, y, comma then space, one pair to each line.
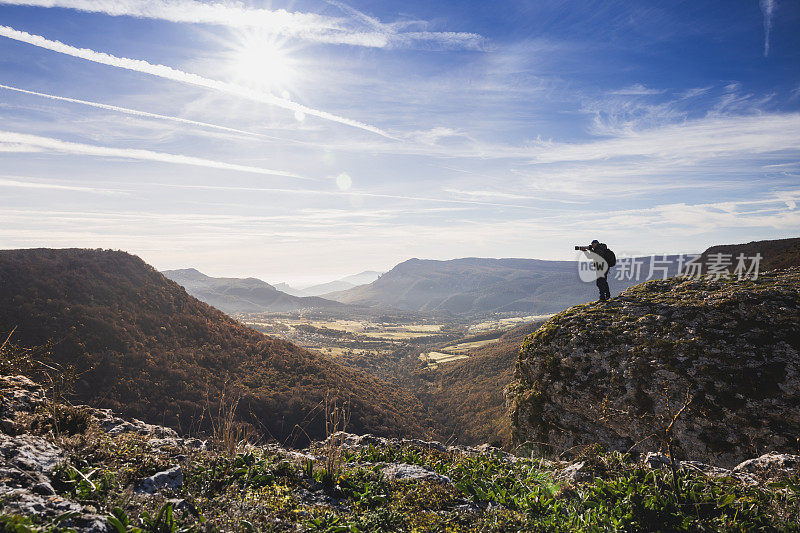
602, 250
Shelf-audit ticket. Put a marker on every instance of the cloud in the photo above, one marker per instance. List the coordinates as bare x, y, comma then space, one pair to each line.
352, 193
136, 112
698, 139
696, 91
27, 183
359, 30
767, 8
35, 142
434, 135
636, 90
170, 73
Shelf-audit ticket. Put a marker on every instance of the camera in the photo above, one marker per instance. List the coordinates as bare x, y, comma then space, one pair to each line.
582, 248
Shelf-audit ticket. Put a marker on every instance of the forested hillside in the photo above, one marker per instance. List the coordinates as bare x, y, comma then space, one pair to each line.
141, 345
466, 397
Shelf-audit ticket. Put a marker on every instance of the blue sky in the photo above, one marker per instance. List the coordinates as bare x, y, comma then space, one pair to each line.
307, 140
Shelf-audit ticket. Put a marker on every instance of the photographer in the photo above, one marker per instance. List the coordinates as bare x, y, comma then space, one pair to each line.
609, 259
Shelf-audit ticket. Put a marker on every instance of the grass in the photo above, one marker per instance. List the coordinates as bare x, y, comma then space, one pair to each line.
263, 489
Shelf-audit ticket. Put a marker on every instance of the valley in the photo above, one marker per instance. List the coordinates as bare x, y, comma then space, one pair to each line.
371, 341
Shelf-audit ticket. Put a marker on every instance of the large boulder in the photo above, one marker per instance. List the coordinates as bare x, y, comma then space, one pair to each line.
619, 373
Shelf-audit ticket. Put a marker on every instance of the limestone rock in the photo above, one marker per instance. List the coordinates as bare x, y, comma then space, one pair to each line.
405, 472
349, 441
26, 462
115, 425
18, 396
575, 473
617, 373
771, 466
168, 479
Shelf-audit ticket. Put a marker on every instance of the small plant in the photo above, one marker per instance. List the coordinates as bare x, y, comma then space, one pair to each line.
25, 524
331, 523
93, 485
228, 432
163, 522
337, 417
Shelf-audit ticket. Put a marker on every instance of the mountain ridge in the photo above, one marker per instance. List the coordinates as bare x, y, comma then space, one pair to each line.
245, 295
474, 286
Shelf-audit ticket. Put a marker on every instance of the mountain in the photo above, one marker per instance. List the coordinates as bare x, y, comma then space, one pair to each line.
288, 289
141, 345
619, 373
348, 282
779, 253
472, 286
325, 288
244, 295
362, 278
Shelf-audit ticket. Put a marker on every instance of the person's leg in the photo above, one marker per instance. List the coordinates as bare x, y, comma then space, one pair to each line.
602, 284
600, 281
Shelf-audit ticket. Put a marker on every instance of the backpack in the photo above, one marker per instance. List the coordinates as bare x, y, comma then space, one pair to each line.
610, 258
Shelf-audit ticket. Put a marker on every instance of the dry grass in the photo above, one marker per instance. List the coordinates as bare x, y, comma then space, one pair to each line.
337, 417
228, 433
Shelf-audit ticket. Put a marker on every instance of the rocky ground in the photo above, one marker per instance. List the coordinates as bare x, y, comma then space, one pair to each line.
710, 367
77, 468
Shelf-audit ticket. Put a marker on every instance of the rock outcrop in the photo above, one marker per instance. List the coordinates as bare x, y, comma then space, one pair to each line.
618, 373
28, 462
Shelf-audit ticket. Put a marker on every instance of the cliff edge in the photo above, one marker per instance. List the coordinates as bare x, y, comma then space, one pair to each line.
617, 374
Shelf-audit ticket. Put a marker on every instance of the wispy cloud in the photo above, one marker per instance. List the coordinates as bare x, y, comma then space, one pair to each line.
136, 112
358, 30
350, 193
28, 183
12, 139
170, 73
694, 92
636, 89
767, 9
703, 138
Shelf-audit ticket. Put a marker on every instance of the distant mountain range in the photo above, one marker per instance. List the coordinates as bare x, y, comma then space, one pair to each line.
348, 282
245, 295
141, 345
460, 287
473, 286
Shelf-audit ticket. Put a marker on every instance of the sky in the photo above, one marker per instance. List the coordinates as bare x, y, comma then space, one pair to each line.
304, 141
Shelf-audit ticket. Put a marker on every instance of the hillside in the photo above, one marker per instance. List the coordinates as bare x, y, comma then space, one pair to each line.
617, 373
476, 286
466, 398
245, 295
141, 345
779, 253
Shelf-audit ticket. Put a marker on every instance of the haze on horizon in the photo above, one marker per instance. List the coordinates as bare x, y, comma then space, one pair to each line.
306, 141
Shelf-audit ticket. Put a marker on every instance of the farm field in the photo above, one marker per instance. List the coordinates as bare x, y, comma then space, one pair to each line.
504, 324
387, 343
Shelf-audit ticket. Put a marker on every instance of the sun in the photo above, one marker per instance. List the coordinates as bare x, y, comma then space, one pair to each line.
263, 62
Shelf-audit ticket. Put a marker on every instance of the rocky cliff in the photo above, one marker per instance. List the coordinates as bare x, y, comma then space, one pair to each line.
618, 373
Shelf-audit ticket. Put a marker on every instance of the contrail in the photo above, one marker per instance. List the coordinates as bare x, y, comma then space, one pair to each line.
26, 141
307, 26
767, 7
170, 73
136, 112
